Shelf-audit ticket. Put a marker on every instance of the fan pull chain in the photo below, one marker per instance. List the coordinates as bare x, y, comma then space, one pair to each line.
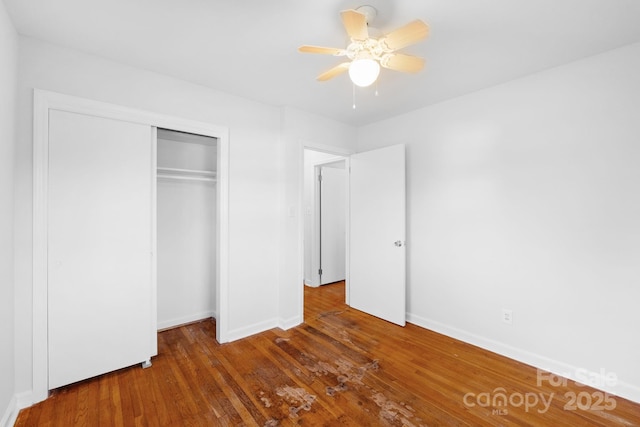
376, 92
353, 86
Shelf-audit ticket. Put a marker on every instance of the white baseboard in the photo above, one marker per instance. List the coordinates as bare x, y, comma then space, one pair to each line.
10, 413
177, 321
247, 331
18, 401
292, 322
25, 399
573, 373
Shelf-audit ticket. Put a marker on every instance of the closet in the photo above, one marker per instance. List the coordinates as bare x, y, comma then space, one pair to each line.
100, 233
186, 227
127, 221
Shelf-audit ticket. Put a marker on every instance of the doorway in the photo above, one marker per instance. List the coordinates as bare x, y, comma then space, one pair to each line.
186, 235
325, 217
375, 255
331, 205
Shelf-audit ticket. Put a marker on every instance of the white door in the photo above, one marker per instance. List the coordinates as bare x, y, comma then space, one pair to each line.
332, 224
99, 246
377, 233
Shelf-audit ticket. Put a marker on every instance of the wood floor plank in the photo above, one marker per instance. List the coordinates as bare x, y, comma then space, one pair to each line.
340, 368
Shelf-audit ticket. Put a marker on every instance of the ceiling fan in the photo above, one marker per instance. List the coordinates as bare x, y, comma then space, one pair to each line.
367, 54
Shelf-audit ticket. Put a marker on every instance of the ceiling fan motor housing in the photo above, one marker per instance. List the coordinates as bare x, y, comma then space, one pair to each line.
369, 48
369, 12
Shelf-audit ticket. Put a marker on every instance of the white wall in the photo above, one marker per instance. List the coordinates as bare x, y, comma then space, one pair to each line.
253, 194
299, 129
8, 78
186, 251
526, 196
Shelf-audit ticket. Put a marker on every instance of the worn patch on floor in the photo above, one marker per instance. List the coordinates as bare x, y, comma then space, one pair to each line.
296, 396
348, 373
344, 335
330, 313
396, 413
265, 400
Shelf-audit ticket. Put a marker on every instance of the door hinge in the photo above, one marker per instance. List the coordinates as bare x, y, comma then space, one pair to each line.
320, 272
320, 178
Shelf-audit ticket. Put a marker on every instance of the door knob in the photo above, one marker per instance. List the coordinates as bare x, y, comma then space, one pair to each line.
398, 243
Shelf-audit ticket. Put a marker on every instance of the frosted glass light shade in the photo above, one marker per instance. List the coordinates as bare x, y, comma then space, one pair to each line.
363, 72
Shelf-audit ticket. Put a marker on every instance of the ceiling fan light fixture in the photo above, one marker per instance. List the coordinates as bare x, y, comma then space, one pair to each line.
364, 72
367, 53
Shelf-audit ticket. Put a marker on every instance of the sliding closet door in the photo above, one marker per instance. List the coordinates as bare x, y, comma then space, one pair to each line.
99, 246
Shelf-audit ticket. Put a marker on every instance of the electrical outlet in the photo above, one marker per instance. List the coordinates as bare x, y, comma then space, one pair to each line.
507, 316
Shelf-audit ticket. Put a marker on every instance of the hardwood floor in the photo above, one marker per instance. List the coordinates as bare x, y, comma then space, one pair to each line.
341, 367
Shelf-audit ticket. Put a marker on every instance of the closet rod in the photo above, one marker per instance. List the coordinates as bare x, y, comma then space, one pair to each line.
187, 177
186, 171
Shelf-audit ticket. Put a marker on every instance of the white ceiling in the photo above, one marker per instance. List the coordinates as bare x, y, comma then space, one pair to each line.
249, 47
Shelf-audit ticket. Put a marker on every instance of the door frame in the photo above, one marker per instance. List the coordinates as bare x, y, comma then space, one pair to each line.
315, 218
316, 233
337, 151
44, 101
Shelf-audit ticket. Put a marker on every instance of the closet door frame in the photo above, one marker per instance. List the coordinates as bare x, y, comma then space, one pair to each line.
44, 101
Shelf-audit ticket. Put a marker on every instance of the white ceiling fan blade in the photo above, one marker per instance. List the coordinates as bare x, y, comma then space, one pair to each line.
404, 36
402, 62
355, 23
322, 50
337, 70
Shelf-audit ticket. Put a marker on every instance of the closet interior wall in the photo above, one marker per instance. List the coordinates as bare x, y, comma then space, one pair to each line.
186, 227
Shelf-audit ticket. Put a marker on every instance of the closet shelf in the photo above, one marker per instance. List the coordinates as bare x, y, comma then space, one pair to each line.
186, 174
